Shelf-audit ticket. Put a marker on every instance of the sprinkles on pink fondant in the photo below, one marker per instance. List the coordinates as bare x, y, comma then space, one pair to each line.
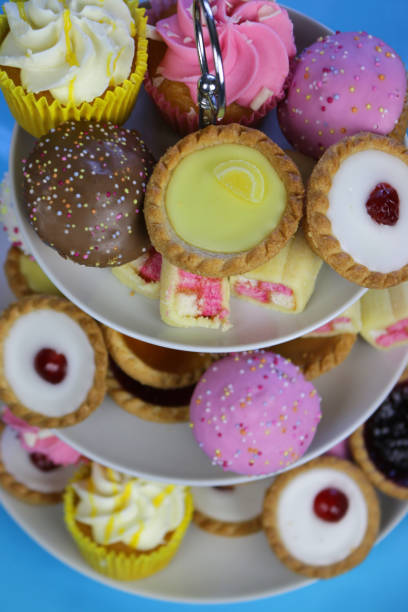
344, 83
35, 440
254, 413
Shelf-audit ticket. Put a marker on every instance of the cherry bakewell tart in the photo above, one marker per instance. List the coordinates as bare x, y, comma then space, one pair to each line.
223, 201
357, 210
53, 361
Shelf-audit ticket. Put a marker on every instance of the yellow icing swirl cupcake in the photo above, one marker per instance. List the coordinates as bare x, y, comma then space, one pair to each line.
71, 60
125, 527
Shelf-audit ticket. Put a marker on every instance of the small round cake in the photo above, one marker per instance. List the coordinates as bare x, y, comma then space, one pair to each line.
345, 83
84, 186
254, 413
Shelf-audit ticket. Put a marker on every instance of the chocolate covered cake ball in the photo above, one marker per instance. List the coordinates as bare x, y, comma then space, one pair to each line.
84, 186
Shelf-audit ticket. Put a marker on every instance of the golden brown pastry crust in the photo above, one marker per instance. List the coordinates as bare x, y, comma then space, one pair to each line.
378, 479
23, 493
272, 532
318, 229
227, 529
316, 356
142, 409
207, 263
401, 126
95, 394
15, 278
136, 368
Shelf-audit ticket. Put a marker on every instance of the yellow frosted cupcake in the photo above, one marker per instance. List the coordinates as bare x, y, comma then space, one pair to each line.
71, 60
125, 527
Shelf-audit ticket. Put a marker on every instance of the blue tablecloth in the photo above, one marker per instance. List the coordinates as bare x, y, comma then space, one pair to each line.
32, 580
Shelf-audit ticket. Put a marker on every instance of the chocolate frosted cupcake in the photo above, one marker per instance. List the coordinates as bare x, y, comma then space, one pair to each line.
380, 446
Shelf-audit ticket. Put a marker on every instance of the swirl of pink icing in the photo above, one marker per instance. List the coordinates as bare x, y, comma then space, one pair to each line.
256, 39
35, 440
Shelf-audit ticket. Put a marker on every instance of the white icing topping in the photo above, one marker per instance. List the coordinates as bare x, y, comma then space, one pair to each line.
304, 534
17, 462
41, 329
122, 508
381, 248
241, 503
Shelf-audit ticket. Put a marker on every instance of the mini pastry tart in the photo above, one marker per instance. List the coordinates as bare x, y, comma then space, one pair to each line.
349, 322
148, 403
53, 361
385, 317
380, 445
223, 201
230, 511
191, 300
153, 365
30, 477
25, 276
125, 527
142, 275
285, 282
317, 356
321, 519
357, 210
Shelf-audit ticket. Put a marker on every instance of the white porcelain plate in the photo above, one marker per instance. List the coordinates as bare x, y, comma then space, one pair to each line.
100, 294
190, 578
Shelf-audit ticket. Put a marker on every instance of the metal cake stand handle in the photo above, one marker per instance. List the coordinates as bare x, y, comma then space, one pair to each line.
211, 88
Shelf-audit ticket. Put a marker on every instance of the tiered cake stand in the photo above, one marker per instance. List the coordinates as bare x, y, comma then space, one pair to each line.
113, 437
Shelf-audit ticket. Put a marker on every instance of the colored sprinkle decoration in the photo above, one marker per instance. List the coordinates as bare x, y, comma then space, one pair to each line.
84, 186
254, 413
355, 82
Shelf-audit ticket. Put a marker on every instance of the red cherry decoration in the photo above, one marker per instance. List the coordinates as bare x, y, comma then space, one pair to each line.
42, 462
383, 204
50, 365
330, 505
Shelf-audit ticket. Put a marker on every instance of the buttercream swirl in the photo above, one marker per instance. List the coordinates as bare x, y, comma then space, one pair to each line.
122, 508
75, 49
256, 39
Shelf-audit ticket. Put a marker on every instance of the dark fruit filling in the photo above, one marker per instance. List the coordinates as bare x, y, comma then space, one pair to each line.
50, 365
42, 462
386, 436
330, 505
383, 204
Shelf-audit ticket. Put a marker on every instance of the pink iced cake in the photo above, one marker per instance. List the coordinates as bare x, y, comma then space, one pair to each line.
254, 413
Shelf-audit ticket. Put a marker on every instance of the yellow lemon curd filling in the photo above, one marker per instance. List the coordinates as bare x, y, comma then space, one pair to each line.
226, 198
35, 277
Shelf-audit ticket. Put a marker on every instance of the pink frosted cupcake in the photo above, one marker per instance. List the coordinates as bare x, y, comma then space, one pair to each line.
256, 39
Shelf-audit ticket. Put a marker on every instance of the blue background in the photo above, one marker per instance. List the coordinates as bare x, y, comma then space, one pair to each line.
32, 579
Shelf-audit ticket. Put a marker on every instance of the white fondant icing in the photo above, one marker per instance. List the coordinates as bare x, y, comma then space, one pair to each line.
304, 534
381, 248
242, 503
17, 462
41, 329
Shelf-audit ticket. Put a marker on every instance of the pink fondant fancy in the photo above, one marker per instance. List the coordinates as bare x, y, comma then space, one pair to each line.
345, 83
254, 413
41, 441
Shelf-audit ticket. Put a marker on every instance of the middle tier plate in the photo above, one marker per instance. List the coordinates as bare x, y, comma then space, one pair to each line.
350, 393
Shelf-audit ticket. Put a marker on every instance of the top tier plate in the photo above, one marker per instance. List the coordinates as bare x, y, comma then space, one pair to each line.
101, 295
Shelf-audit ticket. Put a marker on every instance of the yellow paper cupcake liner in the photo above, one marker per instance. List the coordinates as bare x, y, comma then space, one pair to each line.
38, 116
122, 566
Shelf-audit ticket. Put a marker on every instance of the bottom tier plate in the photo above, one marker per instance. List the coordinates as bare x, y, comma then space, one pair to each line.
207, 569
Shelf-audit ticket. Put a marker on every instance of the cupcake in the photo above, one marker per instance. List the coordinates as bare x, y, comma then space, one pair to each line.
256, 41
94, 214
71, 60
35, 466
53, 361
230, 511
254, 413
356, 210
248, 201
380, 446
125, 527
345, 83
321, 519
